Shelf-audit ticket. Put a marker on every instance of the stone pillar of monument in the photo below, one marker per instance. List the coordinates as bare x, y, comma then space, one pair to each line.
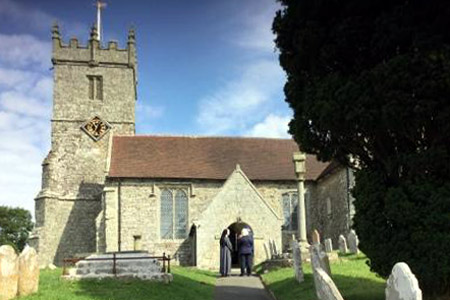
299, 160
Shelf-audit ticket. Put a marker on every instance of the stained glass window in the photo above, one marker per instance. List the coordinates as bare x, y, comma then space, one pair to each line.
181, 213
166, 214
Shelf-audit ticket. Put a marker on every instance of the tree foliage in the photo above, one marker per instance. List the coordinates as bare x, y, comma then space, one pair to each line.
15, 226
369, 82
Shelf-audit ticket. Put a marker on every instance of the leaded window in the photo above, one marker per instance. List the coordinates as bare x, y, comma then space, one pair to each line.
290, 211
174, 214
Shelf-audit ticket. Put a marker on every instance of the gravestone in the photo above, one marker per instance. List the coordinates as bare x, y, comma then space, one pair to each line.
267, 250
9, 272
28, 272
319, 259
343, 244
402, 284
352, 240
325, 287
275, 250
296, 255
272, 252
328, 246
315, 237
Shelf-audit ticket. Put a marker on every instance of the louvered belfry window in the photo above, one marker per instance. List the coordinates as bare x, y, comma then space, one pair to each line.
174, 214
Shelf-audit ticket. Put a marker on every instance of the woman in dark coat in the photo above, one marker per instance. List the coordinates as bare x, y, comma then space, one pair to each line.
225, 253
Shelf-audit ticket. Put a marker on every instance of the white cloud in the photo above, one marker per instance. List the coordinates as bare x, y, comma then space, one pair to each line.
273, 126
149, 111
24, 51
25, 108
25, 16
256, 23
242, 101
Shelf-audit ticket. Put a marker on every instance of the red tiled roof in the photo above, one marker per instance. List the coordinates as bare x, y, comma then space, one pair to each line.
206, 158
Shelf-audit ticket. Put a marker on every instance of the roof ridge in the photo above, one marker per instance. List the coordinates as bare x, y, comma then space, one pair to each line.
202, 137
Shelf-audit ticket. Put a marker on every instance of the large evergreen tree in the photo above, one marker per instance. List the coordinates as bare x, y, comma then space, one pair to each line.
369, 84
15, 226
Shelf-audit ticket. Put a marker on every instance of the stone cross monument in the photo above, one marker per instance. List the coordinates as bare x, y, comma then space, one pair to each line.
300, 170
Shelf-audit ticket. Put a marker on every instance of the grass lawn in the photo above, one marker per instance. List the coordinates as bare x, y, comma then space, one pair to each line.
188, 283
350, 274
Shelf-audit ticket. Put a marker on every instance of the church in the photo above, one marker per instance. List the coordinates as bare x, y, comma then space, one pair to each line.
106, 189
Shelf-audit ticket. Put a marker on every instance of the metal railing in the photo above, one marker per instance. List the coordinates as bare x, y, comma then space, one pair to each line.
72, 261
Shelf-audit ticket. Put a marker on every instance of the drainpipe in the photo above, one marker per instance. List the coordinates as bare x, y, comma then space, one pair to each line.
119, 217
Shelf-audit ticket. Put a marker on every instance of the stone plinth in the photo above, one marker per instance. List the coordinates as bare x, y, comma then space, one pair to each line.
128, 265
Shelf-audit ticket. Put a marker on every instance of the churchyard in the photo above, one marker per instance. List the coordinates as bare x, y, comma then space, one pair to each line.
188, 283
350, 273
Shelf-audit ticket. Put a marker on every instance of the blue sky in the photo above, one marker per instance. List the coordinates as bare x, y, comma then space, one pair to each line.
206, 67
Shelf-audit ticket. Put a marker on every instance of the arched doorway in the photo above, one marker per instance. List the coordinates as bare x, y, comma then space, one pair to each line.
235, 231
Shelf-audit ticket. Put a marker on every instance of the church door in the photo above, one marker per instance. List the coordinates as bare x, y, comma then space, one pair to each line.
235, 231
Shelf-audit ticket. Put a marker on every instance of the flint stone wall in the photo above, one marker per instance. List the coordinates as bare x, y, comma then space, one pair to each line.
332, 186
140, 206
74, 171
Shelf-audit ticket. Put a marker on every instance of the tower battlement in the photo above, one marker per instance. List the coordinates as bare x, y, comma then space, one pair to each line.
93, 54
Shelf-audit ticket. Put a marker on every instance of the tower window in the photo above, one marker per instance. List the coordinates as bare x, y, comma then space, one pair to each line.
95, 87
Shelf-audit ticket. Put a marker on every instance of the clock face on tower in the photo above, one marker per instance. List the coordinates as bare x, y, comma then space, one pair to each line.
96, 128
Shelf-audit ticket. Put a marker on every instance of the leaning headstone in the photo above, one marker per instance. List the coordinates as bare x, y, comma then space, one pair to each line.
28, 272
402, 284
328, 246
275, 250
267, 250
319, 259
9, 272
315, 237
296, 255
352, 240
272, 253
342, 244
325, 287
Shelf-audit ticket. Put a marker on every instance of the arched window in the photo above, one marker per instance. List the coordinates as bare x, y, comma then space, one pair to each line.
174, 214
181, 213
290, 211
166, 214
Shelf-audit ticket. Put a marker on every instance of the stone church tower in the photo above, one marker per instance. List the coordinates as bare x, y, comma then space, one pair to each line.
94, 98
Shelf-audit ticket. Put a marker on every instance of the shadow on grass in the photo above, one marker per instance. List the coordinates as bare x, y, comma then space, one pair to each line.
351, 288
187, 284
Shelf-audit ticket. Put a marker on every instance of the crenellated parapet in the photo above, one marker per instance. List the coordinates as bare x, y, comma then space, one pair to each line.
93, 54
